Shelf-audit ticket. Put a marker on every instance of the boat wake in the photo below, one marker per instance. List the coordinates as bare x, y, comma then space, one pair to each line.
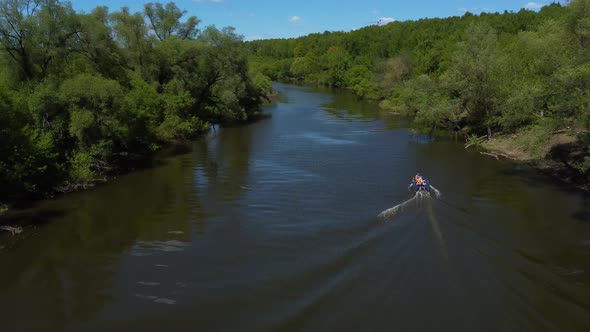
437, 192
394, 211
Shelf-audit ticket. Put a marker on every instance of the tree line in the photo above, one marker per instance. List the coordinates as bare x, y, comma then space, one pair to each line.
81, 93
522, 72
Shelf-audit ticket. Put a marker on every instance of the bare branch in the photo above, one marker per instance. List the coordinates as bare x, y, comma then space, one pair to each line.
12, 229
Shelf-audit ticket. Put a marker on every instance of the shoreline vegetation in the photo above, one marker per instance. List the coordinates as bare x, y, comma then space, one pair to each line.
514, 83
85, 96
559, 157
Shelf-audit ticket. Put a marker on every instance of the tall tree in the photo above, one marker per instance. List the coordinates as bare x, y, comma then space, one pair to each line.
579, 21
35, 33
165, 21
472, 75
131, 35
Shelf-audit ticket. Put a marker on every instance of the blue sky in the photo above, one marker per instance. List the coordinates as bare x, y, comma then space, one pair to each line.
264, 19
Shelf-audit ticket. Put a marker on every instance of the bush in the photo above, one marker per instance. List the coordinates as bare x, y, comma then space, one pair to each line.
95, 107
81, 165
175, 127
534, 138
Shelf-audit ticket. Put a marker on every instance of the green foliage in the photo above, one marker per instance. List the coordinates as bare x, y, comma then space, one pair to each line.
571, 93
173, 127
422, 99
81, 167
81, 121
534, 138
144, 112
473, 140
522, 104
261, 84
395, 71
131, 33
165, 21
471, 76
27, 157
525, 73
584, 165
302, 67
177, 122
360, 80
579, 21
337, 61
33, 34
95, 108
27, 154
82, 92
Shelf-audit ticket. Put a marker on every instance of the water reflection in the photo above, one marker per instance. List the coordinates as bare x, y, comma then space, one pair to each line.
67, 266
272, 226
517, 224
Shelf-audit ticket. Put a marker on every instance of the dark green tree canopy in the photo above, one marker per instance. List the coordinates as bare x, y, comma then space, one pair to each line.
164, 21
82, 93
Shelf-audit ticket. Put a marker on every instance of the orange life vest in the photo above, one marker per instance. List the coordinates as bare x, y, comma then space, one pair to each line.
419, 180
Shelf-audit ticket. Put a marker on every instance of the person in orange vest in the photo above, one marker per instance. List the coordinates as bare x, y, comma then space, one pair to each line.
418, 179
418, 182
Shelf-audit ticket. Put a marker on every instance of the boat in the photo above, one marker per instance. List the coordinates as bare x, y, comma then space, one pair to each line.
424, 187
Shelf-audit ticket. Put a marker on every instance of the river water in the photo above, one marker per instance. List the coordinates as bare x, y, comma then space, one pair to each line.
273, 226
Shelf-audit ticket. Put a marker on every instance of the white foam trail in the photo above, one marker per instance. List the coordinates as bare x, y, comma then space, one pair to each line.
392, 212
437, 232
437, 192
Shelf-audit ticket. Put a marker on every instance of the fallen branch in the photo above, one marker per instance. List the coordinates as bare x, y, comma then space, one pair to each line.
497, 155
71, 187
13, 230
491, 154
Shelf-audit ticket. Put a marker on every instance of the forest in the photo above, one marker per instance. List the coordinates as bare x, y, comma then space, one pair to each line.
82, 94
520, 75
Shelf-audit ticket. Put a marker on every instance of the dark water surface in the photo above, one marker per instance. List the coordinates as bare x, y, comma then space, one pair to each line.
272, 226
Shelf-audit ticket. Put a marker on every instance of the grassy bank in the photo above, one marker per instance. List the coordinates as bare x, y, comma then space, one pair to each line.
563, 154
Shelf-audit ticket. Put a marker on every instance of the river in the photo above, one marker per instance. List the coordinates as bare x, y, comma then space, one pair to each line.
273, 226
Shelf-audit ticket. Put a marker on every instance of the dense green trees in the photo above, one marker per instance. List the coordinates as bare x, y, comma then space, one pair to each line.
510, 73
82, 92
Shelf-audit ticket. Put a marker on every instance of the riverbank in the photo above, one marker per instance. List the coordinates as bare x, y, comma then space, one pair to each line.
221, 236
12, 201
11, 206
11, 219
562, 155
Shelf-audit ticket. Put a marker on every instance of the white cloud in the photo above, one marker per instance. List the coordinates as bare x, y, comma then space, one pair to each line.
376, 12
463, 10
385, 20
295, 19
534, 5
